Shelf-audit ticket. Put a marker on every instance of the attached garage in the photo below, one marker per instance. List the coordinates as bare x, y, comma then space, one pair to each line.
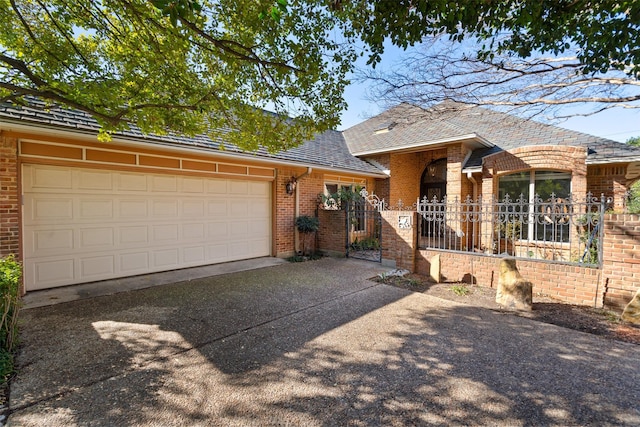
86, 224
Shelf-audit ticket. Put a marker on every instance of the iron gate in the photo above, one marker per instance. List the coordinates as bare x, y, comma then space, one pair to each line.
364, 230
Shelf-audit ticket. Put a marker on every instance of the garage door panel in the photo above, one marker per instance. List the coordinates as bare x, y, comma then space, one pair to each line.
132, 182
165, 233
97, 237
95, 208
193, 208
239, 208
165, 208
239, 229
133, 209
97, 267
192, 185
44, 209
193, 231
95, 180
218, 230
194, 254
110, 224
133, 235
134, 262
48, 178
53, 272
166, 258
217, 208
217, 186
161, 183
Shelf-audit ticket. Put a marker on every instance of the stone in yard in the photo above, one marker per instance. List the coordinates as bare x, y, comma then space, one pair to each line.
514, 292
434, 270
631, 312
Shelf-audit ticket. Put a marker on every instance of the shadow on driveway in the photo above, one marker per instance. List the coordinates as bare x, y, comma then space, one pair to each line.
311, 344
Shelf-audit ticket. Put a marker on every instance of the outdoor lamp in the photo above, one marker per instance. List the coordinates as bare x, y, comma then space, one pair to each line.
291, 185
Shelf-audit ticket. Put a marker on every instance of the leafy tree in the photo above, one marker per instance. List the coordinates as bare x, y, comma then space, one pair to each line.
192, 66
633, 202
535, 55
181, 65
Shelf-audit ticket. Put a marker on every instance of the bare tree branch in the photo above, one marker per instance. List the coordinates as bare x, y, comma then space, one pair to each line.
440, 70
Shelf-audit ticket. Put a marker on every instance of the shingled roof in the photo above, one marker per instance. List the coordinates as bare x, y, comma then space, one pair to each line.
494, 131
328, 149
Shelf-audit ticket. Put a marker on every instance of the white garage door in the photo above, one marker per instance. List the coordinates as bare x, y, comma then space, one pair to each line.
82, 225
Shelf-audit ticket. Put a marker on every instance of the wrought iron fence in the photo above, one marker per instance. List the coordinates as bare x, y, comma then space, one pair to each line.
558, 229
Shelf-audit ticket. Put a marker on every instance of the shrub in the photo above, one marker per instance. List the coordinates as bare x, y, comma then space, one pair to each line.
10, 274
307, 225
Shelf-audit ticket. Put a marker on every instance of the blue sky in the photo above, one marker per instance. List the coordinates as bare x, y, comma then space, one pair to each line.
617, 124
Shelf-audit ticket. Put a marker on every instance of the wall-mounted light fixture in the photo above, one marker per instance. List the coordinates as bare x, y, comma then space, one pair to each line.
291, 185
432, 170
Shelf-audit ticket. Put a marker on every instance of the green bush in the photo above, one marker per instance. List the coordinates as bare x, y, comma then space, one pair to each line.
10, 274
307, 225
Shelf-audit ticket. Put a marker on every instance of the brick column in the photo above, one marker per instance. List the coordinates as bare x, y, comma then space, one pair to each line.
399, 244
9, 198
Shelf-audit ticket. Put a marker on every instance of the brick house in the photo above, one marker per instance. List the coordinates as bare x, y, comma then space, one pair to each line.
75, 210
461, 151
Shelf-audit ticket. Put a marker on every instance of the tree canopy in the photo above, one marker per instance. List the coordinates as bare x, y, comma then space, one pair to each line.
194, 66
520, 53
183, 66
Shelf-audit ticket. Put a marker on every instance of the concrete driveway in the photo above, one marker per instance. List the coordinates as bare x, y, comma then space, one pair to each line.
311, 344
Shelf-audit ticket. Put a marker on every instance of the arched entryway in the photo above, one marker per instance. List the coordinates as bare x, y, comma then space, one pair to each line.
433, 187
433, 182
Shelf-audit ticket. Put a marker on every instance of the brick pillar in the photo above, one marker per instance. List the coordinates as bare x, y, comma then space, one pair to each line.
9, 198
400, 244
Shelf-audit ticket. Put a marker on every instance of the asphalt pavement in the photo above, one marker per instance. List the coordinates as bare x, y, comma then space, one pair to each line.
310, 344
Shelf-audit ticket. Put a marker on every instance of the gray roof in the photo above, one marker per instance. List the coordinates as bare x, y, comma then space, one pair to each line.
450, 121
328, 149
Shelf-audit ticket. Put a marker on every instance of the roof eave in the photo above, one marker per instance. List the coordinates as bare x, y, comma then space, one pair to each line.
76, 133
416, 147
608, 160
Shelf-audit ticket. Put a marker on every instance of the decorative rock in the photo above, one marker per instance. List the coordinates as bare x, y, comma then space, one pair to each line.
514, 292
631, 312
434, 270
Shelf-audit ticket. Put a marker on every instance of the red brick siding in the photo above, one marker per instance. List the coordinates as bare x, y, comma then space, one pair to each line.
560, 158
610, 181
9, 198
621, 265
332, 232
399, 244
570, 283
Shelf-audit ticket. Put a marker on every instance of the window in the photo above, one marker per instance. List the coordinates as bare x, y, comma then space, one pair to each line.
530, 210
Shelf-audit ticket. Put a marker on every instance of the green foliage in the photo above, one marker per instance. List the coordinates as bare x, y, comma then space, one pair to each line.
10, 274
341, 198
601, 32
460, 290
307, 224
366, 244
635, 141
184, 66
633, 200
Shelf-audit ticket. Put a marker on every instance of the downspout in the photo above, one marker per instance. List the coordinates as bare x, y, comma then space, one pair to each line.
296, 234
475, 185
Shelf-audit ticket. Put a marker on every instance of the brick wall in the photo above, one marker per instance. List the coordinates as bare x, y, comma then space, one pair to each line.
332, 233
621, 264
563, 158
570, 283
610, 181
9, 202
398, 244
